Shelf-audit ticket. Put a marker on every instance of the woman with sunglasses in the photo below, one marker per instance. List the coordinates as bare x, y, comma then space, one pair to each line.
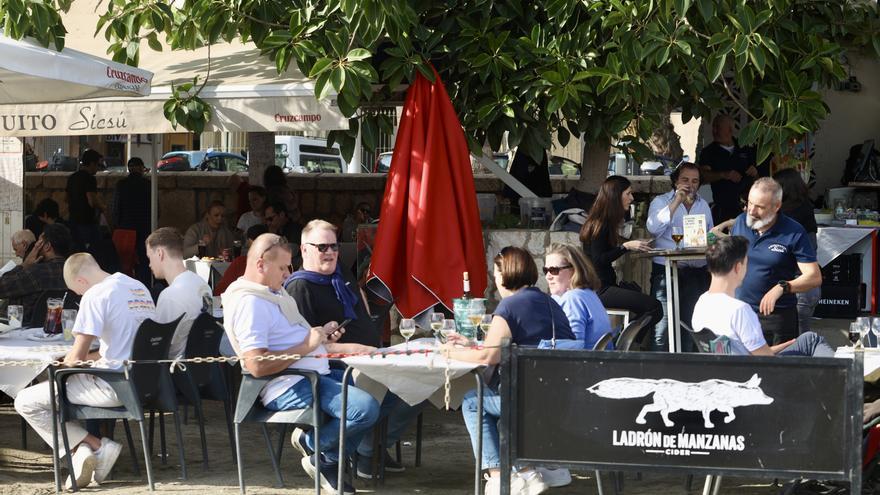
526, 316
603, 245
573, 282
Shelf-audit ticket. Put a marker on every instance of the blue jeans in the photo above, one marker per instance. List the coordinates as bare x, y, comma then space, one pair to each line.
362, 412
809, 344
491, 415
692, 282
400, 415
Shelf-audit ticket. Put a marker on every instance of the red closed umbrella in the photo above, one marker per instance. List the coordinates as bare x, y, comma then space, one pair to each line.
429, 232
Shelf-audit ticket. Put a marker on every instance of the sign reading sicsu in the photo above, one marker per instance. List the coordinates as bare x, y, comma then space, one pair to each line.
697, 413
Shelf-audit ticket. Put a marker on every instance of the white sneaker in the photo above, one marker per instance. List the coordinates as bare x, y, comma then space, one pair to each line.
528, 483
555, 477
106, 457
84, 461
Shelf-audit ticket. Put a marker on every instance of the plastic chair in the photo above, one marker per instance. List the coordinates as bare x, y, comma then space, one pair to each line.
125, 241
248, 408
603, 341
145, 385
631, 333
205, 381
703, 338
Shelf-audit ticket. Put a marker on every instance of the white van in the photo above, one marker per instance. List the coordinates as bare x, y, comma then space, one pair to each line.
308, 155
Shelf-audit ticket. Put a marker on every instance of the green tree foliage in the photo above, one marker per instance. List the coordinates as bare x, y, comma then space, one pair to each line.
531, 68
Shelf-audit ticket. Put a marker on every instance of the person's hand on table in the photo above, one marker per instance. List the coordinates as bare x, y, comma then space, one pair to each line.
207, 238
637, 245
768, 302
455, 339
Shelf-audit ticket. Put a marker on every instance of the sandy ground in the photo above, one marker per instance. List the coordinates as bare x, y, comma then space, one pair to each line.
447, 462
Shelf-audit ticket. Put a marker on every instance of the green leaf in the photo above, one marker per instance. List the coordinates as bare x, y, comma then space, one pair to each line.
715, 65
322, 89
358, 54
337, 78
323, 64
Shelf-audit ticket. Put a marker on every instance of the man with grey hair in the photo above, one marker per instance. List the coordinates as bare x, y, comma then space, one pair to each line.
782, 262
22, 242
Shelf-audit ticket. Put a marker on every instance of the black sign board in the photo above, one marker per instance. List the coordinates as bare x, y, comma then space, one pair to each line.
695, 413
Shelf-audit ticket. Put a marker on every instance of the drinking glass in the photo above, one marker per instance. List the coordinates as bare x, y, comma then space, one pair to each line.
15, 313
875, 329
407, 330
485, 323
52, 325
447, 328
677, 236
855, 334
864, 325
437, 324
202, 248
68, 318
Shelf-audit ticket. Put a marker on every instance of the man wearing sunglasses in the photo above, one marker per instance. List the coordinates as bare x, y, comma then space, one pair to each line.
263, 320
325, 292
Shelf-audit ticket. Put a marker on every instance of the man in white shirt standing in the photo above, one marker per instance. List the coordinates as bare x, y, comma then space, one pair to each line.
720, 311
262, 320
666, 212
111, 310
187, 294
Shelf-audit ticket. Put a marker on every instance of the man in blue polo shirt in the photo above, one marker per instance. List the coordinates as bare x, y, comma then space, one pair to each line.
782, 262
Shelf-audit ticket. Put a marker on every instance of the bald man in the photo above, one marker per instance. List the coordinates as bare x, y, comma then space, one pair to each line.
111, 310
262, 319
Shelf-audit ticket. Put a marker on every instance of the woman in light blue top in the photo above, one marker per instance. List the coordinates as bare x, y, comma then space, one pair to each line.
572, 281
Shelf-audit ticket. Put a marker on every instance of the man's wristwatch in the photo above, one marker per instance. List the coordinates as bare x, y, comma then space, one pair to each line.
786, 287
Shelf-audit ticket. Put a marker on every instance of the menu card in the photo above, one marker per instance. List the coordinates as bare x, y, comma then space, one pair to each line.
694, 231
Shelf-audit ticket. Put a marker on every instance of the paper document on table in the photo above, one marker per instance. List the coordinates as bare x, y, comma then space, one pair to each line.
694, 230
8, 266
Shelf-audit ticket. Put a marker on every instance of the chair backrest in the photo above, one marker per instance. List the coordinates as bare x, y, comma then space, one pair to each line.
38, 315
151, 342
630, 334
203, 341
125, 241
603, 341
703, 338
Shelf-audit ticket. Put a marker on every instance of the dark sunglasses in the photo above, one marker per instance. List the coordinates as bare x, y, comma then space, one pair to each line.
324, 247
554, 270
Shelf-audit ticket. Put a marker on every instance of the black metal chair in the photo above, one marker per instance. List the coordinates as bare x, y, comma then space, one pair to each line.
248, 408
144, 386
603, 341
632, 333
205, 381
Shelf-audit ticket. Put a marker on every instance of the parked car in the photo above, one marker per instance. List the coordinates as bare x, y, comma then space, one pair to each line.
383, 163
191, 161
308, 155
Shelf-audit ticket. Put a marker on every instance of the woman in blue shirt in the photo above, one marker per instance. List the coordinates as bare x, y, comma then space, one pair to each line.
526, 316
573, 282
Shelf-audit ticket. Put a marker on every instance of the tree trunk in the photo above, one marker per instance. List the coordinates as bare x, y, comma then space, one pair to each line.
594, 167
261, 155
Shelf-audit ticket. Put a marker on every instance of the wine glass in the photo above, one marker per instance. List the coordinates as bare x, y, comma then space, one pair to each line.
447, 328
677, 236
855, 334
864, 325
437, 324
407, 330
485, 323
875, 329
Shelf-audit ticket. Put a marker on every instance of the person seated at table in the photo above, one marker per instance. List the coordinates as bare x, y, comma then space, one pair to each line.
111, 310
22, 242
603, 244
236, 268
212, 231
257, 201
279, 222
45, 213
721, 312
572, 282
261, 319
187, 294
666, 212
40, 270
324, 293
526, 316
782, 262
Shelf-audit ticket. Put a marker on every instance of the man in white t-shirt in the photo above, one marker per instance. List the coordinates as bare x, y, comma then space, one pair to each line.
261, 319
111, 310
187, 294
719, 311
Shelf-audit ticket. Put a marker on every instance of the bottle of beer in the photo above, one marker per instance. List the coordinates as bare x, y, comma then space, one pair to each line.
467, 287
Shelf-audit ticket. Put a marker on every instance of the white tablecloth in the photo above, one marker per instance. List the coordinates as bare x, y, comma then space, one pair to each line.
415, 377
872, 361
14, 346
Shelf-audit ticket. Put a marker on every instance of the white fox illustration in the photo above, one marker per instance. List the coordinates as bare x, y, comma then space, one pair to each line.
673, 395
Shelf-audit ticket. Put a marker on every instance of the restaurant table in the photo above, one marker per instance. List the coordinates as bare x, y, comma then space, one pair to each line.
418, 377
872, 360
673, 258
15, 346
210, 271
